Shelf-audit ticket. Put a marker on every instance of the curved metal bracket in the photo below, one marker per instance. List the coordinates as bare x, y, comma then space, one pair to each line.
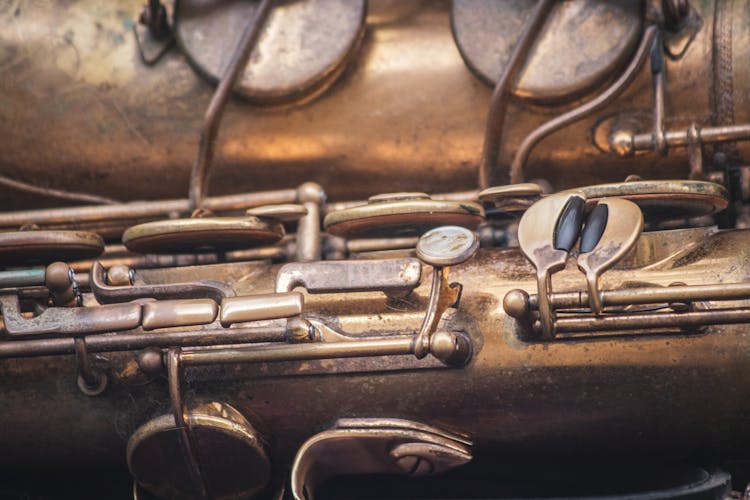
375, 446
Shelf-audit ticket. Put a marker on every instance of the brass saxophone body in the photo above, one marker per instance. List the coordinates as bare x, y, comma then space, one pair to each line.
565, 314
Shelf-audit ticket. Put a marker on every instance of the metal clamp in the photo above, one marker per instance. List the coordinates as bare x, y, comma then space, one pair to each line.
153, 34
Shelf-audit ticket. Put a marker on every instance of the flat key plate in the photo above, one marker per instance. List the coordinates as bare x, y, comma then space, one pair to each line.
202, 235
45, 247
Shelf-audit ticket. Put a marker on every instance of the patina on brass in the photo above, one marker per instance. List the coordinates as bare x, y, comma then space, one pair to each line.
139, 113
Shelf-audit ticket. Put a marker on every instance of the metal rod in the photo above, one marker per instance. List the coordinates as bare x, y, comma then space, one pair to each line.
493, 132
128, 341
681, 138
140, 210
650, 295
55, 193
299, 352
614, 90
652, 321
212, 120
25, 277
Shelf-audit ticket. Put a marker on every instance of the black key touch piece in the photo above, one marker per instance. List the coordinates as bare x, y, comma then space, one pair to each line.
594, 228
568, 226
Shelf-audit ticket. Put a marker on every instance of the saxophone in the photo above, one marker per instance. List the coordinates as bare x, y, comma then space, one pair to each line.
535, 327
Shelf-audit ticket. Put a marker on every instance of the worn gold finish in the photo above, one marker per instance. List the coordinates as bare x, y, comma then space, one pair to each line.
374, 343
201, 234
139, 112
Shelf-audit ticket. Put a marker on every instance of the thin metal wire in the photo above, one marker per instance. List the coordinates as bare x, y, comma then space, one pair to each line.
212, 120
614, 90
493, 131
55, 193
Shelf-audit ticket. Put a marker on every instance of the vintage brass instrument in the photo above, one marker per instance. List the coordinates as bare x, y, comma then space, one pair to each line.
534, 327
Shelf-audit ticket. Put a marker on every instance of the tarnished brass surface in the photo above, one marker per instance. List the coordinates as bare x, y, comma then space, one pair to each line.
583, 42
413, 310
687, 374
111, 125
